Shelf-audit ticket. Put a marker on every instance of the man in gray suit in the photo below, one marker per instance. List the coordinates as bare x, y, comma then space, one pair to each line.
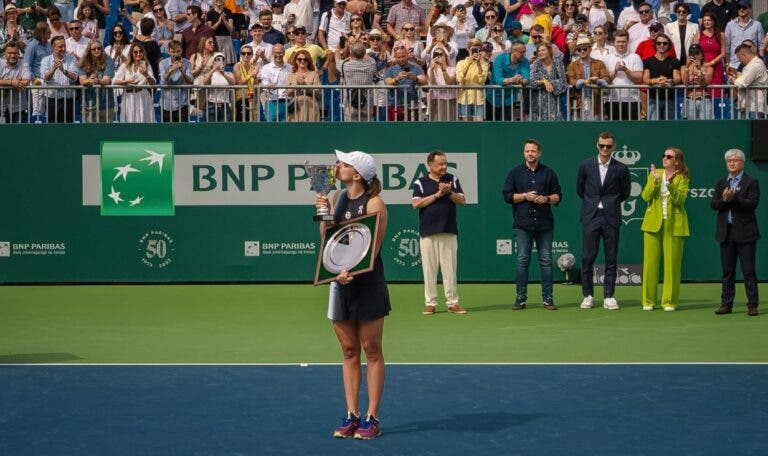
603, 183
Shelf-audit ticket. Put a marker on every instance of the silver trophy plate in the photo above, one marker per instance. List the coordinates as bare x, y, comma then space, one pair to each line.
347, 247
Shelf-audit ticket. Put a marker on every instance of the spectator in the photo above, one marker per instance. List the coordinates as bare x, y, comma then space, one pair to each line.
442, 102
567, 17
641, 30
586, 75
330, 76
255, 7
723, 10
34, 53
647, 48
278, 17
151, 48
509, 70
274, 77
118, 47
625, 69
271, 35
541, 16
76, 43
480, 8
629, 16
60, 69
301, 11
472, 71
136, 75
304, 101
16, 75
751, 101
356, 31
464, 28
100, 12
175, 70
439, 13
496, 39
87, 18
491, 19
441, 38
743, 27
220, 20
412, 43
600, 15
601, 49
57, 26
682, 33
262, 51
300, 43
548, 77
31, 12
407, 76
712, 42
12, 31
137, 14
381, 57
515, 33
405, 12
580, 27
246, 73
334, 24
178, 12
382, 12
358, 70
96, 71
197, 31
219, 107
163, 32
696, 75
662, 72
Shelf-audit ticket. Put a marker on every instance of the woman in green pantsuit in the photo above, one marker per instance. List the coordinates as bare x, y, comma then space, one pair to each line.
665, 227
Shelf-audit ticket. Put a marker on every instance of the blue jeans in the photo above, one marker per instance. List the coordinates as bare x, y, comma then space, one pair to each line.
523, 244
276, 110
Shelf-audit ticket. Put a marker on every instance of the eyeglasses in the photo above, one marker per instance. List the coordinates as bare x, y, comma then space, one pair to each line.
668, 157
490, 16
644, 11
75, 28
605, 146
662, 43
583, 49
356, 19
158, 10
408, 29
535, 37
681, 12
246, 53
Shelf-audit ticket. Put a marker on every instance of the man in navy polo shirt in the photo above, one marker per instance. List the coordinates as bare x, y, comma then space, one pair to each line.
531, 188
436, 196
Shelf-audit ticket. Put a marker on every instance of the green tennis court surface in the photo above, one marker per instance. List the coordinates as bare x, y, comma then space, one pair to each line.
287, 324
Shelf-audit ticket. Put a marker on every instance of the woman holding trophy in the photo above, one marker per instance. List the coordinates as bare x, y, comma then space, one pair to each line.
358, 305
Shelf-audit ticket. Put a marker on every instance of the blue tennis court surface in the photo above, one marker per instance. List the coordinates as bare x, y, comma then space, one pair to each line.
427, 410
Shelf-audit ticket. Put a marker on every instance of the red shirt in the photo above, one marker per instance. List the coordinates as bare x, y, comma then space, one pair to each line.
190, 39
647, 49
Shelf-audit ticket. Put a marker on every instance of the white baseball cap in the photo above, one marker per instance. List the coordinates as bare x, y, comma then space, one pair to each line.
362, 162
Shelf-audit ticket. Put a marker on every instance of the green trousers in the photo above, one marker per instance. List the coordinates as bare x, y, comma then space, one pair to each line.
656, 245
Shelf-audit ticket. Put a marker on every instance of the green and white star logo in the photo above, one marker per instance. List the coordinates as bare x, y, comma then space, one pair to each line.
137, 178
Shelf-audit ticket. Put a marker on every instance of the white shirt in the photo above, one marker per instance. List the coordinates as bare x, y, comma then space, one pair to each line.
77, 48
633, 63
272, 74
754, 73
303, 11
334, 27
597, 16
637, 34
603, 168
266, 47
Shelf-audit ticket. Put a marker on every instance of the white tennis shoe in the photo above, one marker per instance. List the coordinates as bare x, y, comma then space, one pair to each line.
610, 304
586, 303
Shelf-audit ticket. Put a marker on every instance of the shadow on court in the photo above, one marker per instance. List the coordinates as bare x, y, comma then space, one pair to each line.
39, 358
489, 422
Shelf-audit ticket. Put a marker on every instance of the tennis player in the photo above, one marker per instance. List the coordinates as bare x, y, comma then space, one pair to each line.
358, 305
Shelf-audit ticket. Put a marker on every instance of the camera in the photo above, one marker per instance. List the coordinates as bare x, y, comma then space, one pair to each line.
177, 58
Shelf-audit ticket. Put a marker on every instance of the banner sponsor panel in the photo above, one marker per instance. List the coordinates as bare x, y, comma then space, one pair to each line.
232, 203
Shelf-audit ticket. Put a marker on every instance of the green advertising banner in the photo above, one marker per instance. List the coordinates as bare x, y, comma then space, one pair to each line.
232, 202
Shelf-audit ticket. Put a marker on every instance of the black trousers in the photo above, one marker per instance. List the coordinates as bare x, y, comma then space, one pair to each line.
594, 230
61, 110
622, 110
744, 252
177, 115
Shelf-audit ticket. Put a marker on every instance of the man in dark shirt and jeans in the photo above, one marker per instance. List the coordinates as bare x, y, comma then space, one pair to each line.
436, 196
531, 188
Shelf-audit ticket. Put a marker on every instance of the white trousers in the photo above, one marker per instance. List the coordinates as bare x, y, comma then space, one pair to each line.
438, 252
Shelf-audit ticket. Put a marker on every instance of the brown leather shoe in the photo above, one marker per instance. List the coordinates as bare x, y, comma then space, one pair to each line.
428, 310
752, 311
456, 309
723, 309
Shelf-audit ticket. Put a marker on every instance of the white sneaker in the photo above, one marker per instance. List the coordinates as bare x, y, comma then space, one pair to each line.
647, 307
669, 309
610, 304
586, 303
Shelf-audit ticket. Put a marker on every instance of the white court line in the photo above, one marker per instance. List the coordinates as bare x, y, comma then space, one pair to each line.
705, 363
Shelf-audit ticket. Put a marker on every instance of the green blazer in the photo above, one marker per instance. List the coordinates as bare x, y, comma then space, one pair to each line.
676, 214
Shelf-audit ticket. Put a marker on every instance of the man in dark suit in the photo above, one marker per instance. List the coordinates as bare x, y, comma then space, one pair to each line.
603, 183
735, 199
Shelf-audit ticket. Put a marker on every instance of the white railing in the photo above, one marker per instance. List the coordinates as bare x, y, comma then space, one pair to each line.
374, 103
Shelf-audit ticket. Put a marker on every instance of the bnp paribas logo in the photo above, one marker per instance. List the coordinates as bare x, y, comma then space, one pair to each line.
137, 178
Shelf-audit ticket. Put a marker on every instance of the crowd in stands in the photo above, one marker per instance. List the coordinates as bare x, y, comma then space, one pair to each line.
475, 60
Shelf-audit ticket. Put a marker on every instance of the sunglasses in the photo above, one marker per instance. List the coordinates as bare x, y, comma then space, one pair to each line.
75, 28
490, 16
356, 19
605, 146
497, 30
570, 5
583, 49
438, 54
662, 43
535, 37
138, 52
301, 59
218, 59
375, 38
668, 157
246, 53
158, 10
681, 12
408, 29
299, 32
644, 11
96, 48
